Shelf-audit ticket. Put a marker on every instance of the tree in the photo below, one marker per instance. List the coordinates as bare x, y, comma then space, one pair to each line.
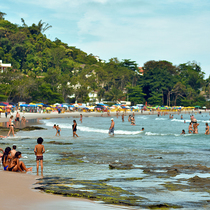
2, 14
136, 95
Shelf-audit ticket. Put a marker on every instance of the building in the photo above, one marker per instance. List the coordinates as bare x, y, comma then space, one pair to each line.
4, 66
141, 71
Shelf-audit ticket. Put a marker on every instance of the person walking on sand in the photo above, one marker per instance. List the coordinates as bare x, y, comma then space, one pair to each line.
74, 128
207, 129
39, 151
58, 130
111, 129
11, 126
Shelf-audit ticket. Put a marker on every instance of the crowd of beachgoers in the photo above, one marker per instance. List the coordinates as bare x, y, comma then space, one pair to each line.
11, 158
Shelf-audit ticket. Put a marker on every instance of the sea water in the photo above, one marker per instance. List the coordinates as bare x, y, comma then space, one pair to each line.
160, 144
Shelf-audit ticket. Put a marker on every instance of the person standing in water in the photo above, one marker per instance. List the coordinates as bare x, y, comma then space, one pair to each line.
74, 128
111, 129
39, 150
190, 129
123, 117
11, 126
207, 129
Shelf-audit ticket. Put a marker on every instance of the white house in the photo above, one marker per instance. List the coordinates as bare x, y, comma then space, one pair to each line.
4, 66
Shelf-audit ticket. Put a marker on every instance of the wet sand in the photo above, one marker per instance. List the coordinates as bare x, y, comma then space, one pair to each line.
17, 193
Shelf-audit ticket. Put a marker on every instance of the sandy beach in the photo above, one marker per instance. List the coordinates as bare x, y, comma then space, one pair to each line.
17, 192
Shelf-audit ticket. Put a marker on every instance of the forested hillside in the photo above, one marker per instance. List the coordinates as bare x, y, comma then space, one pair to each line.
50, 71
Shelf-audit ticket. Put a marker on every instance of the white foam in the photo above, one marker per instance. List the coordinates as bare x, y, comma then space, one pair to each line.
160, 118
95, 130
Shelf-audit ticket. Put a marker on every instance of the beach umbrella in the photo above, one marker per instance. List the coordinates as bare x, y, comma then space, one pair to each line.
1, 110
48, 108
2, 104
204, 107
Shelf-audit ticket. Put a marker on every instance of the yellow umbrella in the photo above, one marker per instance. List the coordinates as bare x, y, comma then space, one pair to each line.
1, 110
48, 108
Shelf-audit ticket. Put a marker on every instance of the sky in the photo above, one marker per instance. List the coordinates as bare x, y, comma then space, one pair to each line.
140, 30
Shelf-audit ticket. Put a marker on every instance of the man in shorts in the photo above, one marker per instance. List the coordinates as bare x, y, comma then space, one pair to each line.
111, 129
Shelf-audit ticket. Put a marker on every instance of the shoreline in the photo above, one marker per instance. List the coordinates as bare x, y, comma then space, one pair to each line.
22, 195
76, 114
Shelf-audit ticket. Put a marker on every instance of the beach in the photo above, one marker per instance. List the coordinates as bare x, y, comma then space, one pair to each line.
17, 193
143, 163
17, 189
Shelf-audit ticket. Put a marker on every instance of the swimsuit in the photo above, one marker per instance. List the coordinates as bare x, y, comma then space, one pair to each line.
17, 119
10, 169
111, 130
39, 157
5, 168
74, 128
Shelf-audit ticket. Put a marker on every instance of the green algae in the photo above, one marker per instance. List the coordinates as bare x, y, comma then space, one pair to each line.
58, 143
163, 206
95, 190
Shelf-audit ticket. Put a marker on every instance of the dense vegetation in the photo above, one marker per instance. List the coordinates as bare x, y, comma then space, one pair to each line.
51, 71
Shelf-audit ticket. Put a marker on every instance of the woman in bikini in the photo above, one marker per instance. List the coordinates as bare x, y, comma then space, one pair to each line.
6, 158
17, 165
11, 126
74, 128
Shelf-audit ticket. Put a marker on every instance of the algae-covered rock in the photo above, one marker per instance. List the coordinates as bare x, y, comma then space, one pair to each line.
120, 166
58, 143
96, 190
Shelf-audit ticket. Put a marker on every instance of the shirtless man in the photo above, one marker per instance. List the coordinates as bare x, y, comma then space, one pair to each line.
39, 150
207, 129
17, 119
58, 130
111, 129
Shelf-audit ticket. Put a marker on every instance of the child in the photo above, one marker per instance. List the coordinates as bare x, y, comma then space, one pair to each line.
17, 165
39, 150
183, 131
13, 151
57, 130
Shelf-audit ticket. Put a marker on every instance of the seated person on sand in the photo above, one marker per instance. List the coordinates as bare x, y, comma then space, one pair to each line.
6, 158
17, 165
1, 153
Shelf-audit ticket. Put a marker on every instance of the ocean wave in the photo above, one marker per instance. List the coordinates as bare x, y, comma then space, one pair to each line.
159, 118
94, 130
176, 120
120, 132
160, 134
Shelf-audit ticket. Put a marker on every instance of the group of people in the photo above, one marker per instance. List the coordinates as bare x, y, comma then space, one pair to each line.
17, 120
11, 158
74, 128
